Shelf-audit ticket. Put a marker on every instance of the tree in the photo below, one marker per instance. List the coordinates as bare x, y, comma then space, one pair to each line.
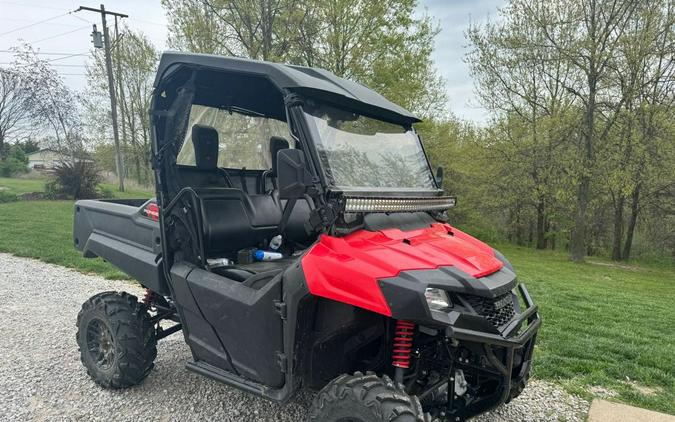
54, 107
586, 33
15, 106
377, 42
523, 82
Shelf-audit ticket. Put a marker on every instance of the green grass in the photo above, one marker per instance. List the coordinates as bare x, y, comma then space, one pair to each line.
44, 230
19, 186
603, 324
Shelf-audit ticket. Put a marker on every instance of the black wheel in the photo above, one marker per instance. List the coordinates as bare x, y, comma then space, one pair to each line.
116, 339
365, 398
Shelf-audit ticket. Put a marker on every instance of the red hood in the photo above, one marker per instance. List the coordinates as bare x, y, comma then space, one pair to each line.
347, 268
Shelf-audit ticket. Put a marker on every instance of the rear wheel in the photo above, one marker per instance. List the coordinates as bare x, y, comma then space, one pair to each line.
116, 339
365, 398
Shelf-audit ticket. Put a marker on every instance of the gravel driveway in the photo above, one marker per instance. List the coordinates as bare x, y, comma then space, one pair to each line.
41, 377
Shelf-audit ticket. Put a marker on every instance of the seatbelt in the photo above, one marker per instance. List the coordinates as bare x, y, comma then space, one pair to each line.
242, 178
290, 203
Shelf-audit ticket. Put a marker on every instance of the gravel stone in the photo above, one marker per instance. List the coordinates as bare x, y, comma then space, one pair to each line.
41, 377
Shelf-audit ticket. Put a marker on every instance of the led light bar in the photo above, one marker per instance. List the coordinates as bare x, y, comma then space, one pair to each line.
363, 204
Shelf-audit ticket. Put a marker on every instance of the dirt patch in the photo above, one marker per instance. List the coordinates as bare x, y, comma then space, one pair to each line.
614, 265
602, 392
643, 389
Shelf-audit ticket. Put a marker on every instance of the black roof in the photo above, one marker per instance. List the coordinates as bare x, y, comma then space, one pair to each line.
308, 81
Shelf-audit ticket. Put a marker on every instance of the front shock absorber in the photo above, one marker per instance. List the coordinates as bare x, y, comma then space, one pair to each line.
402, 348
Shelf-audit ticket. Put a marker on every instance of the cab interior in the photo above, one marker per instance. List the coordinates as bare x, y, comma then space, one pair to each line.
227, 156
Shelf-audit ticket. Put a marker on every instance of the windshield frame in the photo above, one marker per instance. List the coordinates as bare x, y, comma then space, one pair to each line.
314, 135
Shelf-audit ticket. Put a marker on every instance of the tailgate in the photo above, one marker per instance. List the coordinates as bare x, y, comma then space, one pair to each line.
124, 234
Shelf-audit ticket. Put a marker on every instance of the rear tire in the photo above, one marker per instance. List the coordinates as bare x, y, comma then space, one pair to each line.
365, 398
116, 339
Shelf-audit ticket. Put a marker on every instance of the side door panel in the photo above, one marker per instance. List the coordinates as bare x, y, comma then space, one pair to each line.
247, 327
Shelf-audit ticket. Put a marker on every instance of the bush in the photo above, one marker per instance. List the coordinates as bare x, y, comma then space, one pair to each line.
7, 197
77, 180
107, 192
16, 162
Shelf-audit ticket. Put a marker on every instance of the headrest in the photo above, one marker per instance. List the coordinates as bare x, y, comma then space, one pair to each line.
277, 143
205, 141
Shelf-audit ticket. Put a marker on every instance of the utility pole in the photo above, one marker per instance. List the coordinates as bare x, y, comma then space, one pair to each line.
119, 162
120, 86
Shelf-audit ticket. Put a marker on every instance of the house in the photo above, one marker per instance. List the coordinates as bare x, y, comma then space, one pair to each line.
43, 159
47, 159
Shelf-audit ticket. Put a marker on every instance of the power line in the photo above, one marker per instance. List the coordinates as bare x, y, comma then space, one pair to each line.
65, 57
148, 22
47, 53
56, 65
33, 24
4, 18
23, 4
61, 34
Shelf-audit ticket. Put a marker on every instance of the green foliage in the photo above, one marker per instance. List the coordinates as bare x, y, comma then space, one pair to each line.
579, 152
379, 43
106, 192
76, 180
14, 163
7, 197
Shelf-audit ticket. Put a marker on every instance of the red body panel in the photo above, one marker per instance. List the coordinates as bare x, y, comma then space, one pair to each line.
346, 269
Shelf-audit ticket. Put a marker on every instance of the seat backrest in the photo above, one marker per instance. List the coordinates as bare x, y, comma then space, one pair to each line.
205, 142
233, 220
205, 171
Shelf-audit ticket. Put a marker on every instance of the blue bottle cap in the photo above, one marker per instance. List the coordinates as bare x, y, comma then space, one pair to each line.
259, 255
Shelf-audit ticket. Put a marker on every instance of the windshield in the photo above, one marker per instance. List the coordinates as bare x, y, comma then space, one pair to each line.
360, 153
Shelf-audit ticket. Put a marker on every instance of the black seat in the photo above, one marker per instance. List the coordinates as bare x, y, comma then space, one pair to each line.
233, 220
206, 173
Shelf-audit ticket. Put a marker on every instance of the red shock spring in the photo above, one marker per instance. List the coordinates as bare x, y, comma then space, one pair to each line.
403, 341
148, 297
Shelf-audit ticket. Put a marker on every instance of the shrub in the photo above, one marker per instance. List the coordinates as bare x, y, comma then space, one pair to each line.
16, 162
77, 180
106, 192
7, 197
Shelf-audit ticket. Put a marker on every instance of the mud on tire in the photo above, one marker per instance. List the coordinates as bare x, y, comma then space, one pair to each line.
116, 339
365, 398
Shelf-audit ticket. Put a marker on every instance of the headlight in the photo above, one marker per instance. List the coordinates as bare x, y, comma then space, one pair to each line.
437, 299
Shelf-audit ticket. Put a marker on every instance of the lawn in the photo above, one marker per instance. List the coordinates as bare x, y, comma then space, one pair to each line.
43, 229
18, 186
605, 325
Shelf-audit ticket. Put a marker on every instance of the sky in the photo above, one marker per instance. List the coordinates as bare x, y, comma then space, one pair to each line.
54, 31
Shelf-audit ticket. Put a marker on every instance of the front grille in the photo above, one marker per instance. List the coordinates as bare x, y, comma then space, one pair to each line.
498, 310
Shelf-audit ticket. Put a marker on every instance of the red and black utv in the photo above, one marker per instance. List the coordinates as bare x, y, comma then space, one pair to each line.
299, 240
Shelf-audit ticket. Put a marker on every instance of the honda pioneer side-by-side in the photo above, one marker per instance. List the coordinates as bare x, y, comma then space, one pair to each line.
299, 240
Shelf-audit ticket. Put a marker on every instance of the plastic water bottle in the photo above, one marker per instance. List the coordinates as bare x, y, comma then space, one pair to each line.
261, 255
218, 262
276, 242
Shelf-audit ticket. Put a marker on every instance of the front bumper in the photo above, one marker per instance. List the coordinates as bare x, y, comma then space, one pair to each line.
517, 337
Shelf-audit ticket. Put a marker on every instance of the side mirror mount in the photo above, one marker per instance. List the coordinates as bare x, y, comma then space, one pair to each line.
293, 178
439, 177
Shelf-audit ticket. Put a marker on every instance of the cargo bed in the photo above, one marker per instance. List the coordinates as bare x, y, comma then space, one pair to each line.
124, 232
